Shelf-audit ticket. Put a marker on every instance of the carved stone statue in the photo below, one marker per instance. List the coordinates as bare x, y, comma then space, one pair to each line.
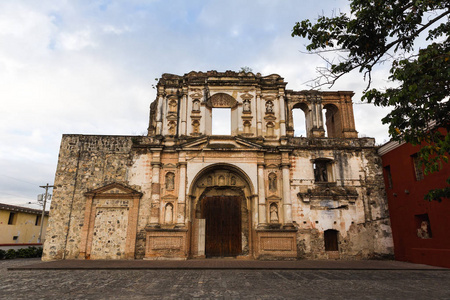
195, 127
173, 106
170, 178
272, 182
196, 105
273, 213
233, 180
168, 214
269, 107
246, 105
172, 128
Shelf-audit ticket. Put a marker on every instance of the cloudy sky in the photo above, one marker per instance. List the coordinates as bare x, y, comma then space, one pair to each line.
87, 67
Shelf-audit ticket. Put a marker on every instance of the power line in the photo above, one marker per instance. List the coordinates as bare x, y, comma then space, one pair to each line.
34, 184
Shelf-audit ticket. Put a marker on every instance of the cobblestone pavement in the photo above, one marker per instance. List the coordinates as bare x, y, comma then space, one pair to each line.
221, 284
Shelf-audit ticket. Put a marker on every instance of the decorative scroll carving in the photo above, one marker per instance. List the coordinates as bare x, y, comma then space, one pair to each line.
221, 100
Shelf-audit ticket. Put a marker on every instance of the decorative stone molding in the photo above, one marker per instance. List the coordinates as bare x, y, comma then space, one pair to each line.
221, 100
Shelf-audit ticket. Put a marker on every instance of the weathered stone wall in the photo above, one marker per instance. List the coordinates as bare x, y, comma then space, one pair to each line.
85, 163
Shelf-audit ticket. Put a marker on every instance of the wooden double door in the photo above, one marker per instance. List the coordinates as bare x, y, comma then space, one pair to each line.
222, 216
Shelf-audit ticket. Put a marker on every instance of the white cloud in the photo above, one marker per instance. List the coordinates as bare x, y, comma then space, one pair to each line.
77, 40
87, 67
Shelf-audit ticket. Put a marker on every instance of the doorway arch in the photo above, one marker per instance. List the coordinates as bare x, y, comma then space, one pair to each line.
220, 212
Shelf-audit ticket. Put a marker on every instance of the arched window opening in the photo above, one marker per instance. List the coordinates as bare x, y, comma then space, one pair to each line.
299, 112
332, 120
331, 240
221, 121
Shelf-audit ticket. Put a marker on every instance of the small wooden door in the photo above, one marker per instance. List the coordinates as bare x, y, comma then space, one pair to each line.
223, 225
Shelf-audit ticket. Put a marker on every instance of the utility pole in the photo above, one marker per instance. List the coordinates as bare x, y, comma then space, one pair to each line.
43, 209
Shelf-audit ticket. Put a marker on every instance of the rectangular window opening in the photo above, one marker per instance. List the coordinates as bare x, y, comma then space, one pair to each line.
389, 176
221, 121
38, 220
418, 170
12, 218
423, 226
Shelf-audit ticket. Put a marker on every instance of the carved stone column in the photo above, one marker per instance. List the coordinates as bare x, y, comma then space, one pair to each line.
182, 114
159, 115
317, 129
287, 204
182, 195
262, 214
282, 116
259, 112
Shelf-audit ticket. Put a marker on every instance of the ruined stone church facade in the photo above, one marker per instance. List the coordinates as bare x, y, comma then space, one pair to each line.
258, 192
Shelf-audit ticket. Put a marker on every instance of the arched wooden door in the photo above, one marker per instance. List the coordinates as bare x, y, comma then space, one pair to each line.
222, 216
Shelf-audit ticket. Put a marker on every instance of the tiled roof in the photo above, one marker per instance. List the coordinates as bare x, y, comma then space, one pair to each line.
21, 209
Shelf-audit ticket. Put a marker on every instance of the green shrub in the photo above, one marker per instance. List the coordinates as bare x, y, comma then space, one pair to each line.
29, 252
10, 254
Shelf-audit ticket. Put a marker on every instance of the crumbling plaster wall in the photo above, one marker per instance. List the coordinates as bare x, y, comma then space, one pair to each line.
362, 219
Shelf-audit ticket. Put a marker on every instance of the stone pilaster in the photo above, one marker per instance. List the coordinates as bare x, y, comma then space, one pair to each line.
159, 125
183, 112
182, 194
287, 204
156, 191
259, 112
262, 214
282, 115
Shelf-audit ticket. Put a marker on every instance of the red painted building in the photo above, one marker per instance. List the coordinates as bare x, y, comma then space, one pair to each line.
421, 229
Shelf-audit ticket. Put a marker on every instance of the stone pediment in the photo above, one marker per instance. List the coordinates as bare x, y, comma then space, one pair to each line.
273, 198
222, 143
246, 96
113, 190
169, 166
